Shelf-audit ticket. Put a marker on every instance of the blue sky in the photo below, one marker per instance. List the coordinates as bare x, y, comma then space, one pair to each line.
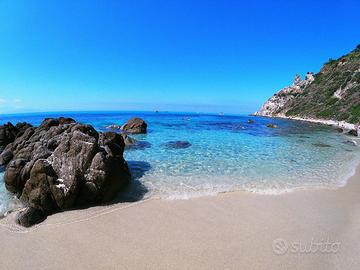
205, 56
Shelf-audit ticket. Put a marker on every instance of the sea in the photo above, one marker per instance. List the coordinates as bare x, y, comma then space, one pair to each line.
224, 153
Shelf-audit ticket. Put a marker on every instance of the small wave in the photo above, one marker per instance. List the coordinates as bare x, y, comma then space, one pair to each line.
185, 191
351, 172
8, 202
8, 205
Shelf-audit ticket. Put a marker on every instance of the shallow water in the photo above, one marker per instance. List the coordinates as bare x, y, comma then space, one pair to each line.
227, 153
8, 201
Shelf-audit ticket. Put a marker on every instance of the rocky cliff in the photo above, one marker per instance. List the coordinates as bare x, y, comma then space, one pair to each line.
331, 94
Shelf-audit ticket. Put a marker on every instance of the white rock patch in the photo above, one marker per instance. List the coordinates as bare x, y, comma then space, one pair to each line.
61, 185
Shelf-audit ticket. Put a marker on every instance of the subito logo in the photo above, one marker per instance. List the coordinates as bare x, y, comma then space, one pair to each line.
280, 246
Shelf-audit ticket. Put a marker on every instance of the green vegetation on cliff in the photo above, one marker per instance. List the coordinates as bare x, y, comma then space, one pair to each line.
334, 94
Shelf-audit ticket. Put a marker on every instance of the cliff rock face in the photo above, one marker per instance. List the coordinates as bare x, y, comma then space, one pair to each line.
331, 94
276, 104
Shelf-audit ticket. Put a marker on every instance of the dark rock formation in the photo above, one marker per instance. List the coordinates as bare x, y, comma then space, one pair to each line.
9, 132
63, 164
271, 126
21, 127
135, 126
353, 132
250, 121
177, 144
30, 216
139, 145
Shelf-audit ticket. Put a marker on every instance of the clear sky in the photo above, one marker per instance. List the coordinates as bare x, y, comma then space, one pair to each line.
178, 55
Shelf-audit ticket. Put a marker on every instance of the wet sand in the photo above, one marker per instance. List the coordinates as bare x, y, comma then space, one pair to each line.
312, 229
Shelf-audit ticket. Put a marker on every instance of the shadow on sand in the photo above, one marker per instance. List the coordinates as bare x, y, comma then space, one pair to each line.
136, 190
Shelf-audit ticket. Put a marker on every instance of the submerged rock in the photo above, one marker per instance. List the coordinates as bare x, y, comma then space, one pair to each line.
132, 144
321, 145
62, 164
135, 126
271, 126
177, 144
138, 145
128, 140
250, 121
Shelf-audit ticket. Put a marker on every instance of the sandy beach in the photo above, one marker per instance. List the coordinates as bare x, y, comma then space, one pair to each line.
306, 229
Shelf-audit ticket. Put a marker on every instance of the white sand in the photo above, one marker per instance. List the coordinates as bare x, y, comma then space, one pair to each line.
228, 231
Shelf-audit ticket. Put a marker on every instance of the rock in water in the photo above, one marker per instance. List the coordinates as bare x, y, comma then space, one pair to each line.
321, 145
353, 132
128, 140
62, 164
132, 144
250, 121
177, 144
272, 126
135, 126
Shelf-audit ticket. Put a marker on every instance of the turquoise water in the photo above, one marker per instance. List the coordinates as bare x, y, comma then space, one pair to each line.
226, 153
8, 201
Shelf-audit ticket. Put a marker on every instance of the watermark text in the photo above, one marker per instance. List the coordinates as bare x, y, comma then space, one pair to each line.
324, 246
